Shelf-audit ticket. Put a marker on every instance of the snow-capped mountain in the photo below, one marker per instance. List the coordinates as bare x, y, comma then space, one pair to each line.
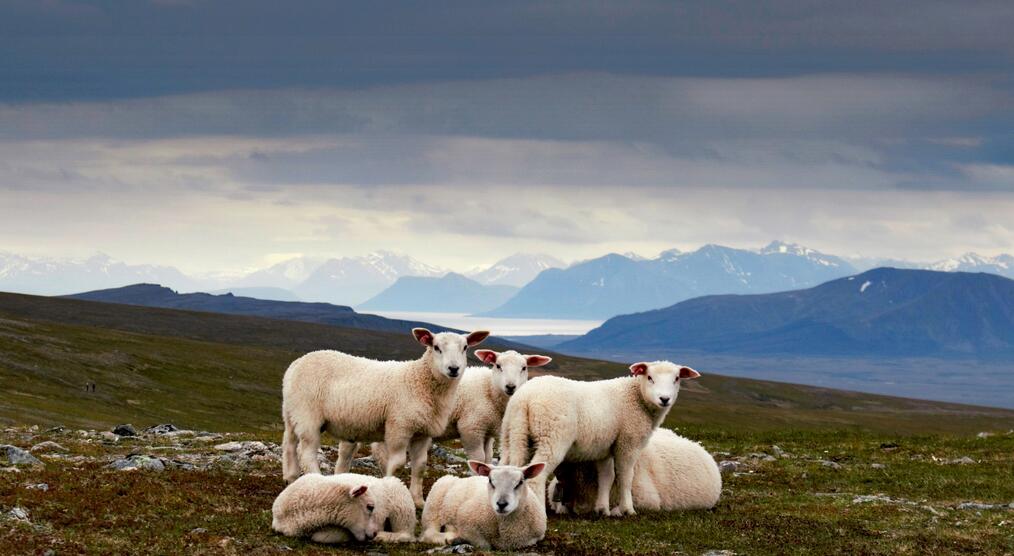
516, 270
44, 276
616, 284
973, 262
285, 274
353, 280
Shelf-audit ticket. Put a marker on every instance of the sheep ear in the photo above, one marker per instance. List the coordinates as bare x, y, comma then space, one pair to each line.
639, 369
476, 338
487, 356
688, 373
358, 491
479, 468
533, 470
423, 336
537, 360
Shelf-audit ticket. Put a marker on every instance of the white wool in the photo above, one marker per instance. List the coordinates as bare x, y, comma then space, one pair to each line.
467, 508
606, 421
330, 509
402, 403
672, 473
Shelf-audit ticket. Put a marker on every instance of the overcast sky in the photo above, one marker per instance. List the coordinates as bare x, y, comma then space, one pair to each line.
224, 135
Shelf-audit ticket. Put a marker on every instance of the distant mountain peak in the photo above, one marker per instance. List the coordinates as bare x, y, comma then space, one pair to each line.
516, 270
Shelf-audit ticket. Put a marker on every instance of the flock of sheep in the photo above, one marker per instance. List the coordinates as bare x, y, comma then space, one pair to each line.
600, 439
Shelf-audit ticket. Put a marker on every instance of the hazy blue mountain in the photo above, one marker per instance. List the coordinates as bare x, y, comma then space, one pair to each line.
516, 270
1002, 265
616, 284
41, 276
881, 312
286, 274
451, 293
268, 293
153, 295
353, 280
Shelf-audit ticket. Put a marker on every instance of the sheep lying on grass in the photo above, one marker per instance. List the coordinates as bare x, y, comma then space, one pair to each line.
605, 421
403, 403
672, 473
480, 402
494, 509
331, 509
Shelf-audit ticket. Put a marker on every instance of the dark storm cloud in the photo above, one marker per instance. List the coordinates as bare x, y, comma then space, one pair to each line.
65, 50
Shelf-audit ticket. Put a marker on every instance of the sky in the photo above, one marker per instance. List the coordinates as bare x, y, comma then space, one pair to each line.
224, 135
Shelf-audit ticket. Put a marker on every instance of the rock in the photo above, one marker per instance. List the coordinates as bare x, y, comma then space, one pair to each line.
364, 463
984, 435
878, 466
17, 456
125, 430
161, 429
965, 460
48, 446
452, 549
830, 464
444, 453
198, 531
9, 470
18, 513
137, 461
779, 452
728, 466
889, 446
981, 506
39, 486
249, 446
109, 437
718, 553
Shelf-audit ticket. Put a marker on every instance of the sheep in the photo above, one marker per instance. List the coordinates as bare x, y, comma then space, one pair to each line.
480, 402
606, 421
331, 509
403, 403
672, 473
496, 508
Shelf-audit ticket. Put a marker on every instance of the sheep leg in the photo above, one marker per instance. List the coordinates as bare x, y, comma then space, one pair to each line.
473, 445
625, 460
433, 535
346, 451
401, 536
418, 450
309, 444
396, 444
290, 454
606, 472
489, 450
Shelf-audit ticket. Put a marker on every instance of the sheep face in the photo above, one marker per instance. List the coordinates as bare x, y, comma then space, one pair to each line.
660, 381
359, 519
447, 350
506, 488
510, 368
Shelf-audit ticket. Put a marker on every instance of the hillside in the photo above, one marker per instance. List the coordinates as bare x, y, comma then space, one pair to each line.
881, 312
617, 284
152, 295
450, 293
221, 372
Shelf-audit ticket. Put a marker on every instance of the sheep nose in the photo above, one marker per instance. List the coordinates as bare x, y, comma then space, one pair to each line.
371, 536
500, 505
510, 389
664, 400
453, 370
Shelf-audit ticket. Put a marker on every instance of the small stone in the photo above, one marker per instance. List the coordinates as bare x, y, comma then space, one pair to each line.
778, 451
161, 429
444, 453
718, 553
9, 470
728, 466
984, 435
831, 464
878, 466
109, 436
964, 460
136, 461
18, 513
198, 531
17, 456
125, 430
48, 446
980, 506
250, 446
38, 486
452, 549
364, 463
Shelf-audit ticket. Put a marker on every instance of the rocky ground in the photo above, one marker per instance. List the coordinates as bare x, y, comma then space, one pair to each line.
162, 490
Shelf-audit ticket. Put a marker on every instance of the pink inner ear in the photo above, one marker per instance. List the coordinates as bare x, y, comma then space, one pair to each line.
534, 469
638, 369
538, 360
687, 372
476, 338
359, 491
487, 356
423, 336
480, 469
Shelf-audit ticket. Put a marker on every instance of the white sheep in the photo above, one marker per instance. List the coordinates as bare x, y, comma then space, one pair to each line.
329, 509
672, 473
480, 402
403, 403
605, 421
496, 508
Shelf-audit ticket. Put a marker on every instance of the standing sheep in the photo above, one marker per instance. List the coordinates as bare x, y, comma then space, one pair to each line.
403, 403
494, 509
480, 402
605, 421
331, 509
672, 473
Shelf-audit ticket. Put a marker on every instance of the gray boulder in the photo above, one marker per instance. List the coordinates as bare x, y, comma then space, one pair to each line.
125, 430
17, 456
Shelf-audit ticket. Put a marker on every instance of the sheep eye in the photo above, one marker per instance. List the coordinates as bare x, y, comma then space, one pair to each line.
369, 508
498, 367
521, 482
490, 481
677, 379
651, 380
437, 348
523, 369
465, 348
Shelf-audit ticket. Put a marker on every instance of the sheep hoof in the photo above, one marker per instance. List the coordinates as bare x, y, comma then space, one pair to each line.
558, 508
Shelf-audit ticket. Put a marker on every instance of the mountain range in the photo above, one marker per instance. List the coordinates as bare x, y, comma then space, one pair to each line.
884, 312
617, 284
450, 293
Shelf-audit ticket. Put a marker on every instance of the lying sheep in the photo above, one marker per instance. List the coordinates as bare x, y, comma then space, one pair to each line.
606, 421
480, 402
672, 473
403, 403
331, 509
494, 509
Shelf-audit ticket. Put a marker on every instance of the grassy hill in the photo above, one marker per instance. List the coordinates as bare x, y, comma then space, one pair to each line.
223, 372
